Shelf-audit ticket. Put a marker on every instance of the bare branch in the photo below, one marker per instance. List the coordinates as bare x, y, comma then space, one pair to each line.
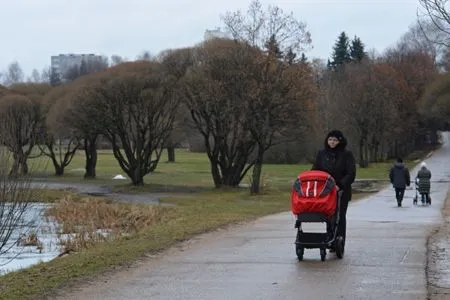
436, 11
16, 197
258, 26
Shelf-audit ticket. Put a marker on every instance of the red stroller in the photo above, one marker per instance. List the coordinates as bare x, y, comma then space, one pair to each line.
314, 199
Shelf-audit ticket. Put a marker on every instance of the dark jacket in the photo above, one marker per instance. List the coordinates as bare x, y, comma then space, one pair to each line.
399, 176
424, 184
340, 164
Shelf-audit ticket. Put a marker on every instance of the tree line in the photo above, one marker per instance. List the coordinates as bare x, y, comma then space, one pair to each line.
251, 99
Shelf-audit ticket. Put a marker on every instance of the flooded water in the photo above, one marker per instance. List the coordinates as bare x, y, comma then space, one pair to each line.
19, 256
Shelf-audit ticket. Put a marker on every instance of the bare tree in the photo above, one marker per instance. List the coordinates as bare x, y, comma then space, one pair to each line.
257, 26
18, 129
80, 116
145, 55
376, 104
14, 74
420, 37
35, 76
176, 63
16, 197
60, 141
116, 59
215, 90
279, 106
437, 14
20, 111
178, 134
138, 105
434, 104
46, 75
281, 37
50, 76
418, 69
444, 62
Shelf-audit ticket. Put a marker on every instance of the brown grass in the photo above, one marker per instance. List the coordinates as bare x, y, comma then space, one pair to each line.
86, 221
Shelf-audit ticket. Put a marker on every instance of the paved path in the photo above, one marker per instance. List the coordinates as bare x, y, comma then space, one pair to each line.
385, 257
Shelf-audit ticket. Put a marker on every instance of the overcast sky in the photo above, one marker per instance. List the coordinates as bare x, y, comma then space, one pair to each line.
33, 30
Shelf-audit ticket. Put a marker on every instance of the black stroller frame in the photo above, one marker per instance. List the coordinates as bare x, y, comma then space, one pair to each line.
322, 241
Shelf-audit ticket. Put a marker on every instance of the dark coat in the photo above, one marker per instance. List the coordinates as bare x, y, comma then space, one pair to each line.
340, 164
399, 176
424, 180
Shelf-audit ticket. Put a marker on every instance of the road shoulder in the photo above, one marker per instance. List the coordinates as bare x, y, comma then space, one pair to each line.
438, 260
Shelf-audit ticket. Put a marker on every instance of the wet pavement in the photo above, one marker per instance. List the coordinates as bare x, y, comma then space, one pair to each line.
385, 258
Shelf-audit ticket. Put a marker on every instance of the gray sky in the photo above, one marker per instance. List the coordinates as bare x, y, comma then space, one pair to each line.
33, 30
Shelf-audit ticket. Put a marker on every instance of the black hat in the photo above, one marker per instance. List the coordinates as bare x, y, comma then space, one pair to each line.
337, 134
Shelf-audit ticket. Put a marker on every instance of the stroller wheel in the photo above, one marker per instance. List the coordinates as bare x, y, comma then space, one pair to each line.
340, 247
299, 251
323, 254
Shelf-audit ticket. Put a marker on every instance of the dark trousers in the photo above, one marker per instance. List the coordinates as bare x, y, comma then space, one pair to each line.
342, 228
425, 197
399, 193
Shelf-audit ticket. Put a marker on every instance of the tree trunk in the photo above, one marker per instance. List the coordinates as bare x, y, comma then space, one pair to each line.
59, 170
231, 176
24, 166
90, 149
137, 178
14, 172
256, 175
376, 156
366, 151
362, 152
19, 166
171, 154
216, 174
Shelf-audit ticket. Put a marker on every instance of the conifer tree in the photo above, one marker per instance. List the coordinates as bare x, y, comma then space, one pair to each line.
341, 51
357, 50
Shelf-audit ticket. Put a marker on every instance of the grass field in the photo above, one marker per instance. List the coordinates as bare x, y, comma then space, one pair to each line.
193, 213
191, 171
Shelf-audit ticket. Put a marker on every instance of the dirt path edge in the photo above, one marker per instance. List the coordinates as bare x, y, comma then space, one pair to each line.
438, 257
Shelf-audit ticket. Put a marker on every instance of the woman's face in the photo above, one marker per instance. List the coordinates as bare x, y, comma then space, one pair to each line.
333, 142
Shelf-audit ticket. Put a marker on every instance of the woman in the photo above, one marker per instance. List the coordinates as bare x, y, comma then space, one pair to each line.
424, 184
339, 162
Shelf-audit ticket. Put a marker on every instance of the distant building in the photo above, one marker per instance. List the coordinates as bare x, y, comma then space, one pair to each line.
62, 63
215, 33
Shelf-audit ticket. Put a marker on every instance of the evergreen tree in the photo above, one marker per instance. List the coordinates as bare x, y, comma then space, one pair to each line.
290, 56
329, 64
341, 51
304, 59
273, 48
357, 50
